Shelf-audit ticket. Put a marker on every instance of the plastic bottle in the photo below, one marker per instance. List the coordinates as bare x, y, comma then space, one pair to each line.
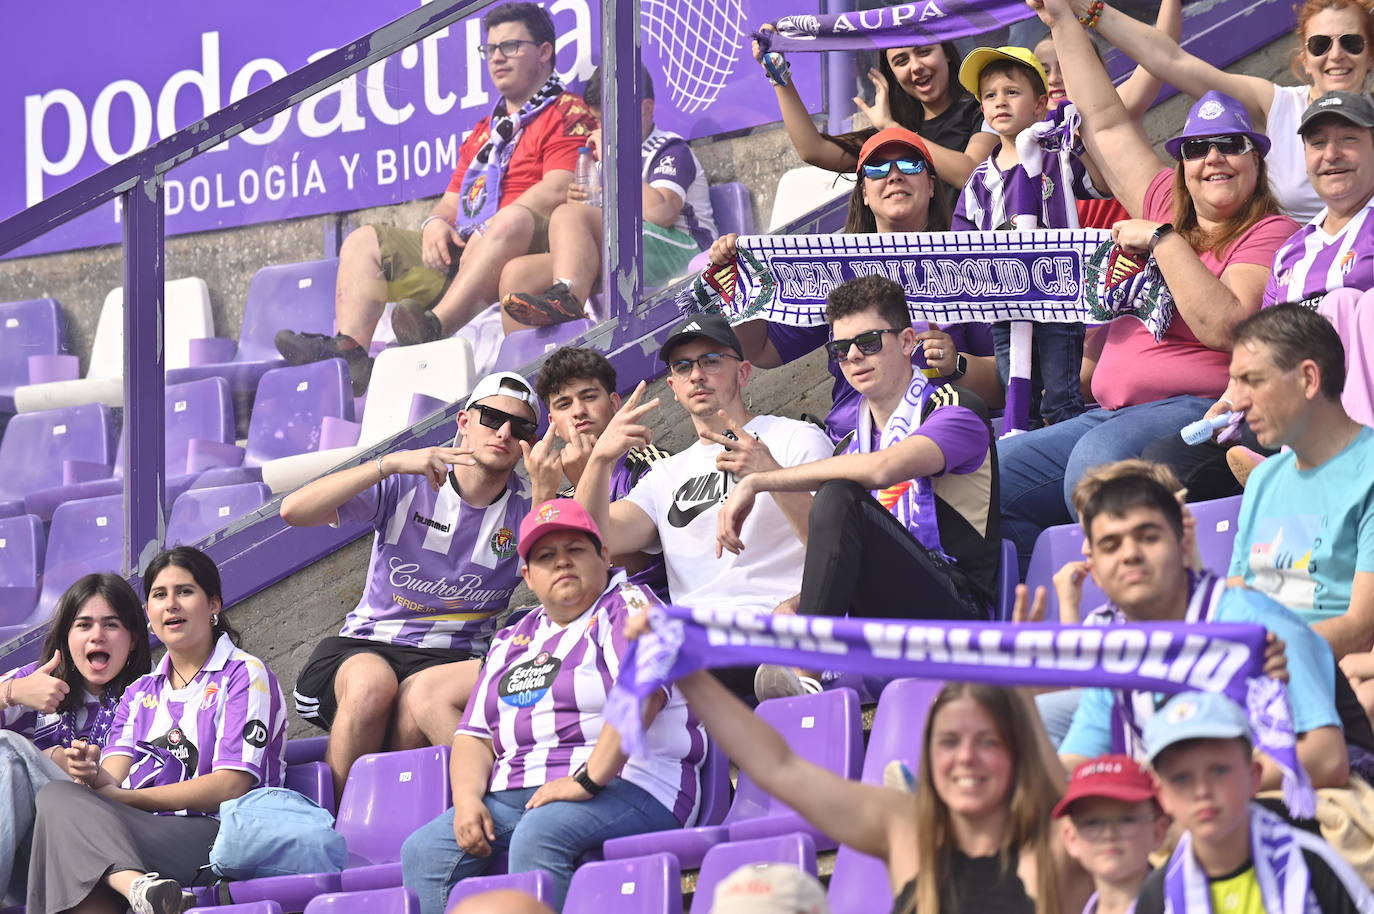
1196, 433
588, 176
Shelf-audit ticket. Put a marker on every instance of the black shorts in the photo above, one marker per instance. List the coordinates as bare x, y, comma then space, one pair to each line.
315, 698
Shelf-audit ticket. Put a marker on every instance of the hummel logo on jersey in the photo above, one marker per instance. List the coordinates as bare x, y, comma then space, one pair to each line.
430, 522
698, 494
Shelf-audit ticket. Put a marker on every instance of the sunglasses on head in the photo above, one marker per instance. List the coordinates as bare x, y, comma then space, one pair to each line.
520, 428
869, 342
1199, 147
905, 166
1319, 45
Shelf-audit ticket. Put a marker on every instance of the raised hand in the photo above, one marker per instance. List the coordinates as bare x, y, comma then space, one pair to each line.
1036, 611
939, 350
723, 249
42, 690
544, 465
743, 454
1068, 587
430, 462
626, 429
879, 113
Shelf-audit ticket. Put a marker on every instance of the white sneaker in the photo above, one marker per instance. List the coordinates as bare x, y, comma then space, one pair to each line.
782, 682
152, 894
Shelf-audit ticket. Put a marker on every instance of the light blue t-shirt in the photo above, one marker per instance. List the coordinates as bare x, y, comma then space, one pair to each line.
1302, 534
1311, 672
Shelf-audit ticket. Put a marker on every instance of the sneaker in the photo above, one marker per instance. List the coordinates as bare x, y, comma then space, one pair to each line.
305, 348
152, 894
414, 324
555, 306
782, 682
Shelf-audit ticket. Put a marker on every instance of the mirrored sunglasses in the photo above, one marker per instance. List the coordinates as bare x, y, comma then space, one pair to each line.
905, 166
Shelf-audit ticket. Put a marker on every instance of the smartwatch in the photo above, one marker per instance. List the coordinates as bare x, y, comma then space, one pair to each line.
584, 780
1159, 233
960, 368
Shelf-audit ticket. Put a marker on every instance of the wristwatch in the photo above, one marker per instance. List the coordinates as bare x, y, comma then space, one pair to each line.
960, 368
1159, 233
584, 780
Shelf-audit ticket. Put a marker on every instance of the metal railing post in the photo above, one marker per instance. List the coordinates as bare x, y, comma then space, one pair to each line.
144, 275
621, 129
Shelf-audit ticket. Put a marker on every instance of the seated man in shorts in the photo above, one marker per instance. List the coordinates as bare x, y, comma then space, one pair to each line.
442, 571
496, 207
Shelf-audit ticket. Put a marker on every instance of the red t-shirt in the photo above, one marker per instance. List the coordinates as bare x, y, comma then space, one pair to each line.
1100, 214
1134, 368
549, 142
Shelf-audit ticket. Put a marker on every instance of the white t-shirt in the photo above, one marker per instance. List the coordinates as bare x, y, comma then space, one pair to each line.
1286, 161
682, 496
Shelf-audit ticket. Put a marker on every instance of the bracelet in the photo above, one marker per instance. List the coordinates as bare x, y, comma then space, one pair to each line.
430, 219
8, 701
381, 473
1159, 234
1094, 14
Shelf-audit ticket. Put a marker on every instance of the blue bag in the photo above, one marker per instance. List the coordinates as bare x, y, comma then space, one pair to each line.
274, 831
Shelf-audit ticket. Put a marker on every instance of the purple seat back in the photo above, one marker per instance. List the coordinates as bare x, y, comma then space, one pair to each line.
312, 779
291, 402
21, 563
310, 749
638, 885
1008, 576
252, 907
396, 900
199, 512
86, 536
715, 786
1055, 548
1216, 531
859, 883
824, 729
35, 444
723, 859
387, 796
535, 883
296, 296
520, 348
33, 327
197, 409
732, 207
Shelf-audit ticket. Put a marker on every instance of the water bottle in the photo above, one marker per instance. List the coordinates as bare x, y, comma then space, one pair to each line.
1195, 433
588, 176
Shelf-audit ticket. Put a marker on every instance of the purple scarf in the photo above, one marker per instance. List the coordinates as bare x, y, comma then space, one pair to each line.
1160, 657
480, 194
903, 25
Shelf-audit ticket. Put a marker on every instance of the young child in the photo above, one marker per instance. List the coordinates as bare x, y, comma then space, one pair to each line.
1234, 856
1112, 823
1010, 84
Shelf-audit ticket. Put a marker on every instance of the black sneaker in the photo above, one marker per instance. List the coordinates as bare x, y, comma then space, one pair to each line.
305, 348
414, 324
556, 305
152, 894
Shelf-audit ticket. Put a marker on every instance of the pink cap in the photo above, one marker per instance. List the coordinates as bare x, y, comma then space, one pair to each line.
550, 516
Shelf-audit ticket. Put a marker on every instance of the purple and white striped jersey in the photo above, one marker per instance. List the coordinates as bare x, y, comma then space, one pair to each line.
982, 204
230, 717
1312, 263
669, 163
46, 730
442, 571
540, 696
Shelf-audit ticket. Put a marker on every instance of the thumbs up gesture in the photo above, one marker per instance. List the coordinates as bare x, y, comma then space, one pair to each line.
41, 689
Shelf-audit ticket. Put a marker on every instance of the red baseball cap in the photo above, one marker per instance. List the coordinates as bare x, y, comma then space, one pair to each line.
550, 516
1115, 777
892, 136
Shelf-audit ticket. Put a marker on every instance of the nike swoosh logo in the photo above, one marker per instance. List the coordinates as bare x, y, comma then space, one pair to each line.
680, 518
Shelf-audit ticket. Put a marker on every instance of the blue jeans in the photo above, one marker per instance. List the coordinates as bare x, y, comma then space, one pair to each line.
1040, 468
550, 838
23, 772
1056, 361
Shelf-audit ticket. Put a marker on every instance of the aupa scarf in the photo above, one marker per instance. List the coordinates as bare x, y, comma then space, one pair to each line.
901, 25
1160, 657
480, 193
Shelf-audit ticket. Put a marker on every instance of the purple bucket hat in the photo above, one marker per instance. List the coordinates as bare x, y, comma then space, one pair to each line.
1217, 114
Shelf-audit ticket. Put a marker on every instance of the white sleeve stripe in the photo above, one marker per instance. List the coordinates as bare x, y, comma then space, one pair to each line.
1359, 893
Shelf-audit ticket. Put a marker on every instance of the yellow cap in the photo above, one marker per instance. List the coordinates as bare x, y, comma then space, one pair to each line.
978, 59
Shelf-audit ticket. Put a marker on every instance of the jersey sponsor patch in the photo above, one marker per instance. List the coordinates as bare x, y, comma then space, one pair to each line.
255, 734
180, 747
526, 683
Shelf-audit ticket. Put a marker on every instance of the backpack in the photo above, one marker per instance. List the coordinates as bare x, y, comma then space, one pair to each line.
273, 831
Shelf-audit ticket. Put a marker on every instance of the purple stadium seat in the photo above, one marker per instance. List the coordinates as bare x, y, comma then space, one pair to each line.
86, 536
290, 405
723, 859
310, 749
1216, 531
824, 729
36, 445
21, 565
313, 780
1054, 548
859, 883
520, 348
639, 885
733, 208
536, 883
1008, 576
256, 907
197, 414
395, 900
34, 327
199, 512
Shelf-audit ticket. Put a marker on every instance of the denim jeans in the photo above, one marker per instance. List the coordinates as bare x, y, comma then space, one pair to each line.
1056, 361
550, 838
1056, 712
23, 772
1040, 468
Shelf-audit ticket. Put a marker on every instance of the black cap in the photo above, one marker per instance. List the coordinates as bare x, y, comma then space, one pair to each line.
707, 325
1357, 109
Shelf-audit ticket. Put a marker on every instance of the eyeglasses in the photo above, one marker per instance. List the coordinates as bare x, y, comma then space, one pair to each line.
508, 48
710, 362
492, 417
1318, 45
1097, 829
1199, 147
869, 342
905, 166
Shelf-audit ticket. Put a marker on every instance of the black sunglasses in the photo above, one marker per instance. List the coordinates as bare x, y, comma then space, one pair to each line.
1318, 45
869, 342
492, 417
1199, 147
